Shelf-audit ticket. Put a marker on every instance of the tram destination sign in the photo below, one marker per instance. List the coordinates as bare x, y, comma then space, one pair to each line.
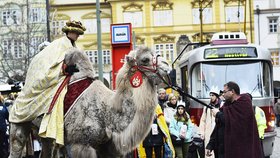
230, 52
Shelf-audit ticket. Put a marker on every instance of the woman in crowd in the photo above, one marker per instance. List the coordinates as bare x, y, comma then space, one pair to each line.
181, 129
170, 109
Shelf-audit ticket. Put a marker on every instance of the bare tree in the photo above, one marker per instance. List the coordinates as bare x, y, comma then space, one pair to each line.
23, 29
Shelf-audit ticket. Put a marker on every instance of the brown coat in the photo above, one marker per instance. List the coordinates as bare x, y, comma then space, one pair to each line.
241, 133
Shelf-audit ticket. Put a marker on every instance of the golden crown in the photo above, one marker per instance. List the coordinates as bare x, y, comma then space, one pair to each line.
74, 26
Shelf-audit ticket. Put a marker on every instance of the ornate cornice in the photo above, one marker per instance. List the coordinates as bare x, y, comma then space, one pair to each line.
140, 40
132, 7
164, 39
234, 1
62, 17
92, 15
106, 45
162, 5
195, 3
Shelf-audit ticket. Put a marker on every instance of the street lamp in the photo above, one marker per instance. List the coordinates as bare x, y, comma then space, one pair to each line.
258, 11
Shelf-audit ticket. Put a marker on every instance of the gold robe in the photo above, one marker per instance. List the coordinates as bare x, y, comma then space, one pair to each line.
43, 78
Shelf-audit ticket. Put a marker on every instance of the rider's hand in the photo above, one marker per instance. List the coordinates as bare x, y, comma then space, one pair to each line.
71, 69
215, 111
208, 152
202, 136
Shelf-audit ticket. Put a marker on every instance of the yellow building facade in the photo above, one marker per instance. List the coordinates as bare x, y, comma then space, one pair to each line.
164, 25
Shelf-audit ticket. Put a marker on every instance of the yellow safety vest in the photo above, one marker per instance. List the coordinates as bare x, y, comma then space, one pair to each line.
261, 121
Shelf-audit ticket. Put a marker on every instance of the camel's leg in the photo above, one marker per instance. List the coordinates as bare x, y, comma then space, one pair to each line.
48, 148
18, 135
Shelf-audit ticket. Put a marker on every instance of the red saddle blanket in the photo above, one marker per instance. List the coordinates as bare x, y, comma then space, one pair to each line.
73, 92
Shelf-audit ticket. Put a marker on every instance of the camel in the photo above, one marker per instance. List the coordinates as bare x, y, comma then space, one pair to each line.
101, 122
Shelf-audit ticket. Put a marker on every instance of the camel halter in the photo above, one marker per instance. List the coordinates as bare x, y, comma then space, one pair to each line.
136, 80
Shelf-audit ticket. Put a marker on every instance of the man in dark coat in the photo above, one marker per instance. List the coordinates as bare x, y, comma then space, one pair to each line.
237, 125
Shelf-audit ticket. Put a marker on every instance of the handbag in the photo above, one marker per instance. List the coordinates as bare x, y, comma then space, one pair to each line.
167, 151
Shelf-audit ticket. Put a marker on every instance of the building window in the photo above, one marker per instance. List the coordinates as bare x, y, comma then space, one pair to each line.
105, 23
106, 57
35, 42
91, 25
13, 47
232, 14
165, 50
135, 18
6, 47
11, 17
206, 14
273, 22
93, 56
37, 15
57, 26
275, 57
163, 17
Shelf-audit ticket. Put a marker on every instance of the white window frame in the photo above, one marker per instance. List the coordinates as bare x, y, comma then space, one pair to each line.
57, 27
90, 25
14, 47
11, 17
231, 13
106, 57
35, 42
37, 15
166, 50
273, 24
135, 18
207, 15
93, 56
163, 17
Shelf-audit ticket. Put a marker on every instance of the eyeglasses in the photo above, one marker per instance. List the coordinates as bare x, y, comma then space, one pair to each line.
226, 91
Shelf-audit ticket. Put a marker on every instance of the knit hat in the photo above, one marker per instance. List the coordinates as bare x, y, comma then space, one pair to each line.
74, 26
181, 104
214, 90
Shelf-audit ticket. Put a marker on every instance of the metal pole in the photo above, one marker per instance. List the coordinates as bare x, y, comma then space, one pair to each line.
47, 20
201, 18
99, 46
250, 16
258, 12
245, 14
27, 33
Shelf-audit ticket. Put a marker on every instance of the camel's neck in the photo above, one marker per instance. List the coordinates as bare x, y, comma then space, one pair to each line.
145, 101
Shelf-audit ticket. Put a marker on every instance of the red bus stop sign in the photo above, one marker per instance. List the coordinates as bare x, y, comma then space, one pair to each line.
121, 46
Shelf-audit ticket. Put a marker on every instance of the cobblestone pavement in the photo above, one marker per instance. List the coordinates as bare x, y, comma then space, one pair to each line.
276, 149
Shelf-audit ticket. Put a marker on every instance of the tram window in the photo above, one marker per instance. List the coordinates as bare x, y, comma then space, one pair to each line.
266, 80
252, 78
196, 80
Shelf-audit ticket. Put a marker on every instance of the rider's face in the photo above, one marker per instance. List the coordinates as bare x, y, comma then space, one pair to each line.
73, 35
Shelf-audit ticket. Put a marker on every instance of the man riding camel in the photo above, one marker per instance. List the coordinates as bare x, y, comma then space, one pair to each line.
45, 76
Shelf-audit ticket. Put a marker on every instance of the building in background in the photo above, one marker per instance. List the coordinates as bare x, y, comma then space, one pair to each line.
267, 32
164, 25
159, 24
23, 28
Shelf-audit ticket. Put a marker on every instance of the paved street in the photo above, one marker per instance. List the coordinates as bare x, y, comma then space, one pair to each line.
276, 152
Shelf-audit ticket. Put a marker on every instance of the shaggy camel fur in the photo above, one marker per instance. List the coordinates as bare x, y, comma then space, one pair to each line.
104, 123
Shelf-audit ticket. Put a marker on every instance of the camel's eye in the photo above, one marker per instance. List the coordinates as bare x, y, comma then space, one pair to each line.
145, 60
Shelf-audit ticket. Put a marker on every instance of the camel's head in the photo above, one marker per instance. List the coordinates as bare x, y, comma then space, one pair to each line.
77, 57
149, 64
